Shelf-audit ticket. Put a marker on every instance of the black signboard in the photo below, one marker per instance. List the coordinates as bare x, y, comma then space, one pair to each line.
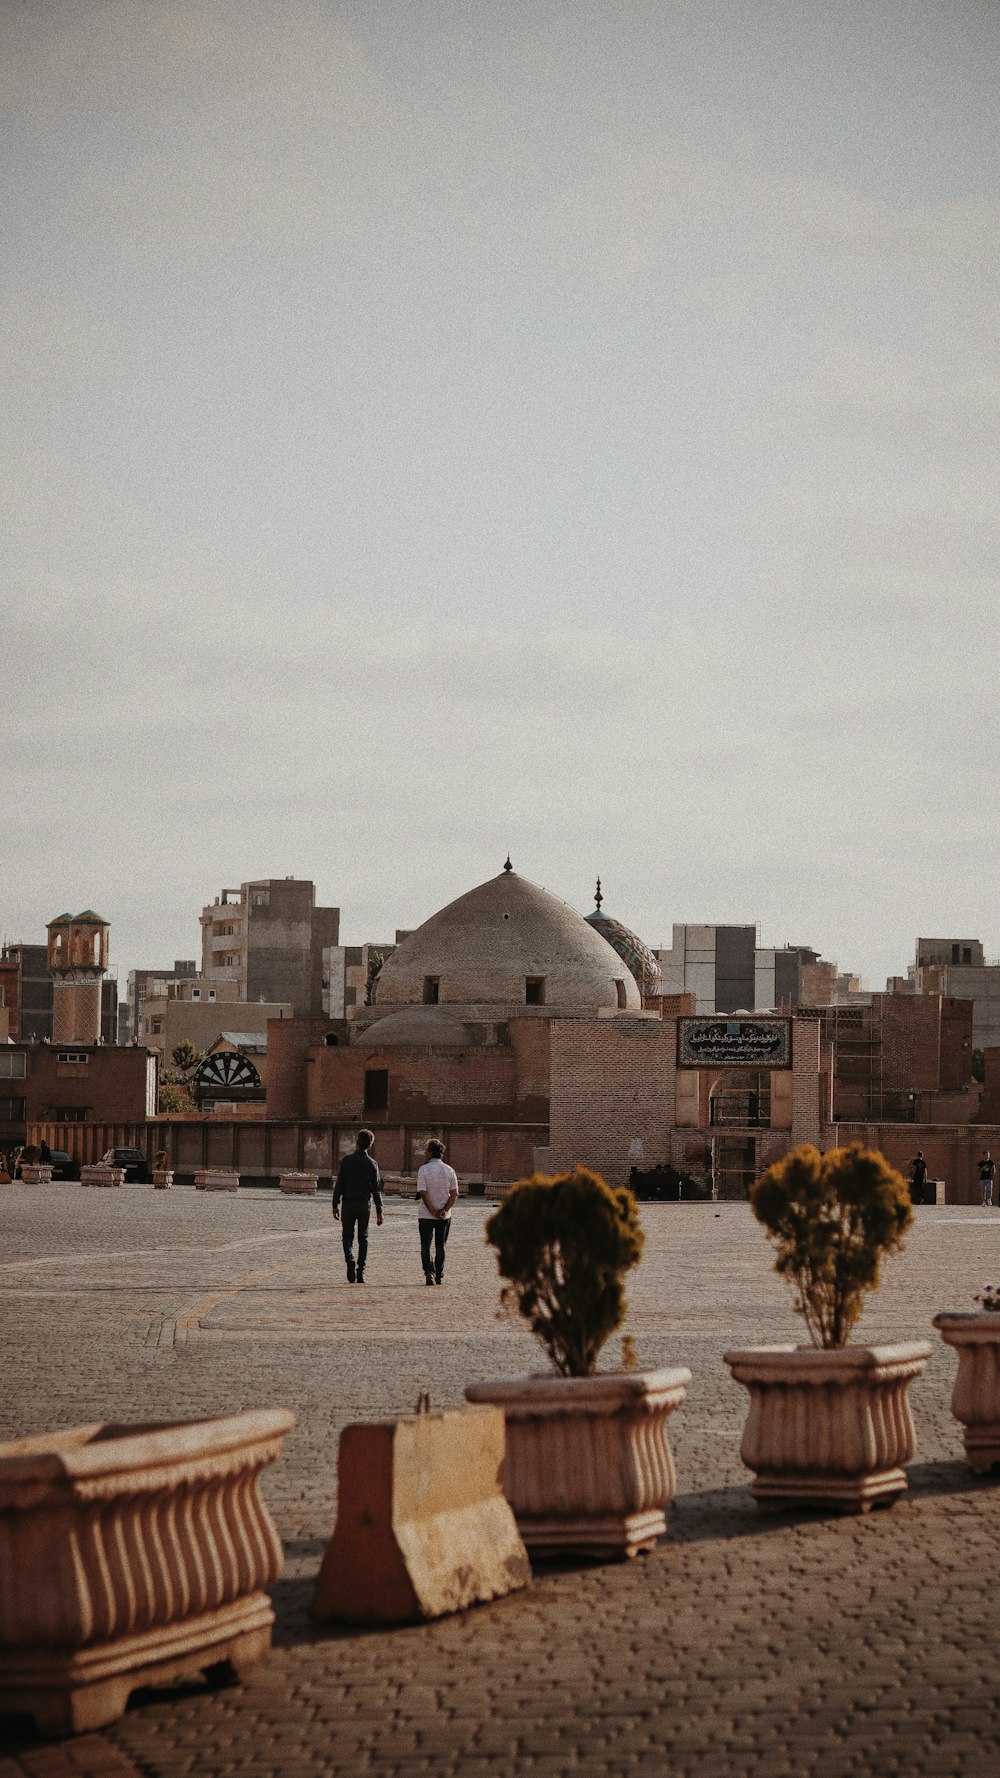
734, 1043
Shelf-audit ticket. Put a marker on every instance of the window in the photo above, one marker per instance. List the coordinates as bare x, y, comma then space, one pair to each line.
432, 990
11, 1110
196, 993
12, 1064
534, 990
157, 1027
967, 954
211, 993
72, 1056
376, 1089
331, 1040
71, 1114
622, 996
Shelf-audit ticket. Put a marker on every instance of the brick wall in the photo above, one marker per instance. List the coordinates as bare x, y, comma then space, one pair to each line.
288, 1044
951, 1154
612, 1094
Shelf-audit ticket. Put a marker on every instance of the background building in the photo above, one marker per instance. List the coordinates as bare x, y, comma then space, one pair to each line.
727, 970
958, 968
28, 985
193, 1010
150, 981
265, 941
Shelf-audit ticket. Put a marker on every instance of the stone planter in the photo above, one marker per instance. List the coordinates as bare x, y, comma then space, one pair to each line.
163, 1178
99, 1174
36, 1173
132, 1555
828, 1426
216, 1179
302, 1183
588, 1465
975, 1335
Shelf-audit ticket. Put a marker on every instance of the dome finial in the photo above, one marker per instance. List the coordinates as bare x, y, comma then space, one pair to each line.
598, 897
508, 866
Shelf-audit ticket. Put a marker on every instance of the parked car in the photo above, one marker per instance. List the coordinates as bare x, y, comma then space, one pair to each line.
63, 1165
133, 1160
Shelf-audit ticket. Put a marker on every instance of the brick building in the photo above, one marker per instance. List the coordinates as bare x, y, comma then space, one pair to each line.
458, 1028
957, 967
43, 1083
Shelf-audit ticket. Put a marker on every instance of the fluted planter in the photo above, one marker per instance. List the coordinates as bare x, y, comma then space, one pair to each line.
163, 1178
829, 1426
588, 1464
36, 1173
130, 1556
975, 1401
303, 1184
99, 1174
216, 1179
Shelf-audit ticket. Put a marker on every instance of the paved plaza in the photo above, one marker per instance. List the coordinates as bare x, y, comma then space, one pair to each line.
745, 1644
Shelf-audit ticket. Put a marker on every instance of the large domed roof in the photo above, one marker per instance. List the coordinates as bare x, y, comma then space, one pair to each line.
507, 944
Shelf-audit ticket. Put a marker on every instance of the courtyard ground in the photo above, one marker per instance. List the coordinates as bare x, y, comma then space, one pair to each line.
745, 1644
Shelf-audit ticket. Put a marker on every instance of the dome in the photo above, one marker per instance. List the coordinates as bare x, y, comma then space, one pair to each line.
633, 950
431, 1027
507, 944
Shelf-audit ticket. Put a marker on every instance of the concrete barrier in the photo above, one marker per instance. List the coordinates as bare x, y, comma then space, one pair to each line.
423, 1527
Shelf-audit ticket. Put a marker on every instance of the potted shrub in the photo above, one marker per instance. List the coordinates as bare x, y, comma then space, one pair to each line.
588, 1465
163, 1173
975, 1401
829, 1421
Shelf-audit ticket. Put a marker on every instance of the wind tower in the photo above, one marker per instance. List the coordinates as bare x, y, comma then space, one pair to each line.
78, 957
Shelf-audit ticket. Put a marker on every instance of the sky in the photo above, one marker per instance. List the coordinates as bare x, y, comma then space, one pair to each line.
568, 427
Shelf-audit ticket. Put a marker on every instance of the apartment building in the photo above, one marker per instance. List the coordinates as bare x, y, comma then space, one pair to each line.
727, 970
265, 941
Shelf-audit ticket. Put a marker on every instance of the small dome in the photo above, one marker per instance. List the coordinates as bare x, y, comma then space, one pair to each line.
507, 944
430, 1027
633, 951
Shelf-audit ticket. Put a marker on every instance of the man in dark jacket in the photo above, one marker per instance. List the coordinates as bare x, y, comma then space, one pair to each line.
358, 1182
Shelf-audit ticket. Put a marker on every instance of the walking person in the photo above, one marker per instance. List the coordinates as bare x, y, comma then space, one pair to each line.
359, 1185
437, 1189
918, 1177
987, 1169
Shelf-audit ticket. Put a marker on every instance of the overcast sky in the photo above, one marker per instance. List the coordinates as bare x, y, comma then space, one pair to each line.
430, 429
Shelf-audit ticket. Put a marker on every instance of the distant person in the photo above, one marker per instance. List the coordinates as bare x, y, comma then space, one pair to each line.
437, 1190
44, 1154
359, 1184
987, 1170
918, 1177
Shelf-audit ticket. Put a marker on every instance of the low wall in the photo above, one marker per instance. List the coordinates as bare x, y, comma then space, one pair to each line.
951, 1151
265, 1148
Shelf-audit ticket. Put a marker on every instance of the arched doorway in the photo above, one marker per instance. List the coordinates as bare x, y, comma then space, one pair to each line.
739, 1105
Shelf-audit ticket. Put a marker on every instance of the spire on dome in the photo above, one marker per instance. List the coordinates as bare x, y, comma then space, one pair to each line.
508, 866
598, 897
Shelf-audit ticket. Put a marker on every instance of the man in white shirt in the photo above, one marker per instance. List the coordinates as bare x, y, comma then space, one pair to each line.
437, 1189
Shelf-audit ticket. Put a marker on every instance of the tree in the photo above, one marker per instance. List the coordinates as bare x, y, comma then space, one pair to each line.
375, 962
175, 1083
